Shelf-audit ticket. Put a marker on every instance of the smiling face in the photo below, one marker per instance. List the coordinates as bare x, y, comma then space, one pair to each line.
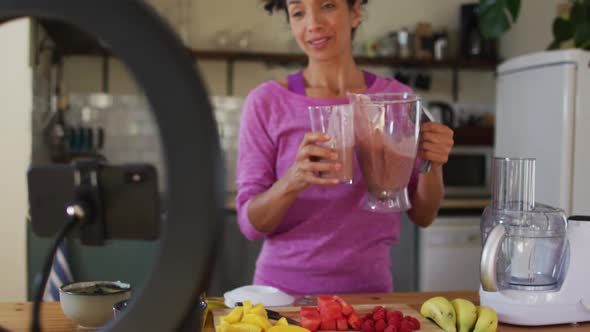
323, 28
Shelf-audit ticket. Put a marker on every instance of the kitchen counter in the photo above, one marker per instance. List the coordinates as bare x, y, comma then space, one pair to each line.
15, 316
447, 203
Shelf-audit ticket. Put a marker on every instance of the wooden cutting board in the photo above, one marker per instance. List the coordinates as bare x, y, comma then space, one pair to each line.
362, 309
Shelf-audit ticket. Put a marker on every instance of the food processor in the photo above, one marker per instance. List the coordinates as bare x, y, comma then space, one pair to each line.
533, 270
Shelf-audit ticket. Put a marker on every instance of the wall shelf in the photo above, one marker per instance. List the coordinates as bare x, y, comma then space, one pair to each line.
277, 57
70, 41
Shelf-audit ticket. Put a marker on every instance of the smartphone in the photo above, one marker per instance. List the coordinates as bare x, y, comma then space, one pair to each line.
125, 197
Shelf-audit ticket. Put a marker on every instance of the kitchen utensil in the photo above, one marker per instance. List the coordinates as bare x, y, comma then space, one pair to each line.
423, 81
362, 309
533, 269
442, 112
423, 41
336, 121
425, 165
386, 138
441, 46
403, 44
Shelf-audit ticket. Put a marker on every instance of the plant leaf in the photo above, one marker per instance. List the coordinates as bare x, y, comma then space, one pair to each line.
562, 29
485, 5
554, 45
493, 21
513, 8
579, 13
495, 15
582, 35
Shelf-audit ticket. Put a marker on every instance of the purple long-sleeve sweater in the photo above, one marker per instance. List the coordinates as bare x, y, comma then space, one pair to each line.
326, 242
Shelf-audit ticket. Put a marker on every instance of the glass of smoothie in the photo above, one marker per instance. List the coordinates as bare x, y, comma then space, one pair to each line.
338, 122
386, 137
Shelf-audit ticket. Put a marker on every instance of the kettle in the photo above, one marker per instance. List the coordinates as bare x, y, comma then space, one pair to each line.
442, 112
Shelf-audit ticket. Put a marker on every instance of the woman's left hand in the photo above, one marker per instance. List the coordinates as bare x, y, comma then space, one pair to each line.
436, 142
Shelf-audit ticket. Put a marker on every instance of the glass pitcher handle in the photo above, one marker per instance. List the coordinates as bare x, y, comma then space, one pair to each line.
489, 254
425, 117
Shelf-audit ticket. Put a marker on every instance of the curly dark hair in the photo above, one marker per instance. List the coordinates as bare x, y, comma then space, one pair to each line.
272, 5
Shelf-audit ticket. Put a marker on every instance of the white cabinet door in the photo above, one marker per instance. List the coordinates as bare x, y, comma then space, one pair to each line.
450, 252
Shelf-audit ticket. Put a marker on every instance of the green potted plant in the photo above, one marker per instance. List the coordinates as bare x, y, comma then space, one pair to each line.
497, 16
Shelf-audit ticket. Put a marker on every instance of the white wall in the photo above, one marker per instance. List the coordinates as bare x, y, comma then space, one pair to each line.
532, 32
268, 33
15, 144
271, 33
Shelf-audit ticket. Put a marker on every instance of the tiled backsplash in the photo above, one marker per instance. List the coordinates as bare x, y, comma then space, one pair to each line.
227, 112
131, 135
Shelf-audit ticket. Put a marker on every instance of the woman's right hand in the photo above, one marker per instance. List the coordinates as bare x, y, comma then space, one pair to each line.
304, 171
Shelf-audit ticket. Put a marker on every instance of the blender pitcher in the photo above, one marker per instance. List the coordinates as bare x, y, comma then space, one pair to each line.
386, 138
524, 242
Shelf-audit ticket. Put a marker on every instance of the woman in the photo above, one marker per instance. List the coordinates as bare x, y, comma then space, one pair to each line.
317, 238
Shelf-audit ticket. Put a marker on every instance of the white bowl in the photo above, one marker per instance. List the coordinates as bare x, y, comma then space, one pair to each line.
92, 309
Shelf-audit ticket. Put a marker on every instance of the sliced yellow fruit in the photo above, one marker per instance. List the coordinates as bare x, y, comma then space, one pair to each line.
243, 327
257, 320
290, 328
247, 306
222, 327
282, 322
234, 316
259, 310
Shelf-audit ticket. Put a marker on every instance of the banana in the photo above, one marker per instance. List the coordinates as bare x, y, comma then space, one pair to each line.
466, 313
487, 320
441, 311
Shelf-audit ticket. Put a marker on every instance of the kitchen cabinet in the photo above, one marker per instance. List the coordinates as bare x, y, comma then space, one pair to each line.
404, 257
132, 261
128, 261
236, 258
450, 252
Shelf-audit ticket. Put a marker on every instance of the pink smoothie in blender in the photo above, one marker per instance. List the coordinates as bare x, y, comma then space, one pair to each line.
386, 135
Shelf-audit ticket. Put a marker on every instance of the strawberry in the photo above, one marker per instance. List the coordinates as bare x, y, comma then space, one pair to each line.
406, 325
367, 328
395, 313
377, 308
369, 315
395, 321
390, 328
380, 325
413, 322
379, 314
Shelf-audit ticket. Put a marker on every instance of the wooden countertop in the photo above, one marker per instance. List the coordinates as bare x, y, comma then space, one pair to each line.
15, 316
447, 203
